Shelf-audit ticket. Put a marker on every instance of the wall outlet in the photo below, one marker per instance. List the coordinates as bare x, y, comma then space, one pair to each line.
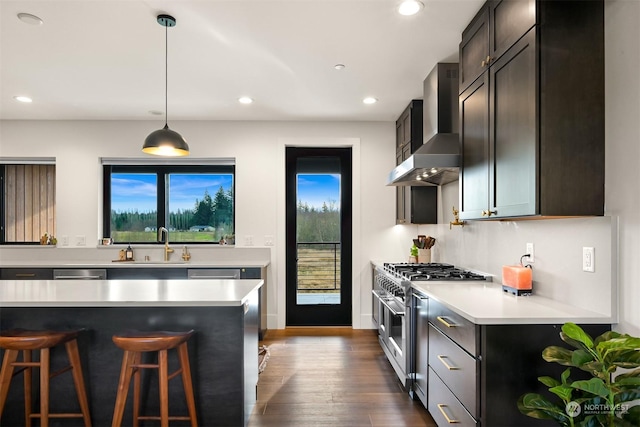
248, 240
588, 259
64, 240
530, 252
268, 240
80, 240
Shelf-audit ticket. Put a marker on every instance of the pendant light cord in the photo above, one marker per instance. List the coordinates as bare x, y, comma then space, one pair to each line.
166, 74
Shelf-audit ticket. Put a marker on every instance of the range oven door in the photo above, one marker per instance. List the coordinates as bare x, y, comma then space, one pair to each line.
394, 339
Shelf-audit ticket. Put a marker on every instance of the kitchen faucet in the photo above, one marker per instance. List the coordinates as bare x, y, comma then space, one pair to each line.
167, 249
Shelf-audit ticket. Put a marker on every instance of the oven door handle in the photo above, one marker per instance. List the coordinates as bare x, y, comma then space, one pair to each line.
391, 309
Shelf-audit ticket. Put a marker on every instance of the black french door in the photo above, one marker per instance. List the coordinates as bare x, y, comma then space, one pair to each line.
318, 236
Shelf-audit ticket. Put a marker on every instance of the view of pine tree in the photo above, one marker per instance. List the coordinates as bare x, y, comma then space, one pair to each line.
223, 207
318, 224
203, 211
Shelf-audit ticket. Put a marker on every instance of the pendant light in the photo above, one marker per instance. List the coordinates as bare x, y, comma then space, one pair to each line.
166, 142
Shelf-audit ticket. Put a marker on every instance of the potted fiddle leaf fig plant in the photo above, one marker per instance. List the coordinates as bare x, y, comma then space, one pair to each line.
607, 398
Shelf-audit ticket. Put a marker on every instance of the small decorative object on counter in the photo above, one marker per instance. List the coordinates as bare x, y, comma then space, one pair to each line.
517, 279
413, 254
122, 255
129, 253
48, 240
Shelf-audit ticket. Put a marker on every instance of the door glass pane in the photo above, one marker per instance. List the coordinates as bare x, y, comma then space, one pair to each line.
200, 207
134, 207
318, 239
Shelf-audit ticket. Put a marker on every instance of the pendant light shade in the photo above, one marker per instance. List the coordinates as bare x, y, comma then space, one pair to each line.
166, 142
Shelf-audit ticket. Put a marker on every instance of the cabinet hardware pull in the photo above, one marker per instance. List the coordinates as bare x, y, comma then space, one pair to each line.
485, 213
483, 64
441, 407
445, 323
489, 213
488, 59
441, 358
25, 274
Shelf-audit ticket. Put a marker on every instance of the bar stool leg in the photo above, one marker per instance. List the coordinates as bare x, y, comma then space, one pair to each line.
183, 355
164, 388
44, 387
28, 408
123, 388
74, 360
137, 374
6, 373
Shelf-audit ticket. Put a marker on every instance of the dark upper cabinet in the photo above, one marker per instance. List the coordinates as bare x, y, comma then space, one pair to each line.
496, 27
414, 205
532, 124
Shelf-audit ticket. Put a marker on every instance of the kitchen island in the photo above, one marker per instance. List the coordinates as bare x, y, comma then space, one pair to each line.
223, 352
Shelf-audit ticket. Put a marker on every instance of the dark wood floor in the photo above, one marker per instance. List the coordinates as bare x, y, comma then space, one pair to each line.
331, 377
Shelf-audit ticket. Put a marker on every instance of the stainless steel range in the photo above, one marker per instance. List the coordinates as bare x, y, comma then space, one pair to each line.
392, 306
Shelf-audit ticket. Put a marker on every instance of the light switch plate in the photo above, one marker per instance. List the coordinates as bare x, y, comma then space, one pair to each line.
80, 240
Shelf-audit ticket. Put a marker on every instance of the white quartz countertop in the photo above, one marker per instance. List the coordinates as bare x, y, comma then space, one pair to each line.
126, 293
485, 303
132, 264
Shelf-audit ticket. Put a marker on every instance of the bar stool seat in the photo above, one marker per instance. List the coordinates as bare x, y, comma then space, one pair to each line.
21, 340
136, 343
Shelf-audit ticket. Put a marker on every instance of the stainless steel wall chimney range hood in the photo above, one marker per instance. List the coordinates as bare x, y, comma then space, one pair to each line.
437, 161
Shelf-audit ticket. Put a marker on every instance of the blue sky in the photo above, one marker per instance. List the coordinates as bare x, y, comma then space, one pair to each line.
138, 191
315, 189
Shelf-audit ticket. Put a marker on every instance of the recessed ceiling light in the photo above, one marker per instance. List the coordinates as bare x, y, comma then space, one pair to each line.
339, 66
370, 100
30, 19
410, 7
22, 98
245, 100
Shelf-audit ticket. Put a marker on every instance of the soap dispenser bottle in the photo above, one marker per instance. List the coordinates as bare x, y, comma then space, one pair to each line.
129, 253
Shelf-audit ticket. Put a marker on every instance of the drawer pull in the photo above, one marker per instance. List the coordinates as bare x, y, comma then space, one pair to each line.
25, 274
441, 407
445, 323
441, 358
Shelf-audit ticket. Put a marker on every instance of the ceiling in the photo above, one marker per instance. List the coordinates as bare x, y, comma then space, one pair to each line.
105, 59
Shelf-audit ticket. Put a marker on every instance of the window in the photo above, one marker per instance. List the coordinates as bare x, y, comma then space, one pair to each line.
194, 202
27, 201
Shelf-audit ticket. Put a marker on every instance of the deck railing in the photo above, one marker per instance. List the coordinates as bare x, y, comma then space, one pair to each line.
318, 267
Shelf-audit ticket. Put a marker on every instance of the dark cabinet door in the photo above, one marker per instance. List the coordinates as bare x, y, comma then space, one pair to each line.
474, 49
513, 138
26, 273
401, 217
509, 21
474, 129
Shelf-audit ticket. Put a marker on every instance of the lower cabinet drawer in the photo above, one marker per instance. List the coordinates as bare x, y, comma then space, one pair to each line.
444, 407
457, 369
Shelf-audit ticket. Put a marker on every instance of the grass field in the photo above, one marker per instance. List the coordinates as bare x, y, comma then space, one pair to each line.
174, 236
318, 270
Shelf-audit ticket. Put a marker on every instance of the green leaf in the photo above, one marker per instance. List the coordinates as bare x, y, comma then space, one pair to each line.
606, 337
635, 381
632, 416
580, 357
625, 395
623, 358
535, 406
635, 373
565, 375
557, 354
594, 386
576, 333
563, 392
549, 382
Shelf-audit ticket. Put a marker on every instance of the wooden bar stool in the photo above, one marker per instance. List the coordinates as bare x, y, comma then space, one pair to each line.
134, 344
16, 340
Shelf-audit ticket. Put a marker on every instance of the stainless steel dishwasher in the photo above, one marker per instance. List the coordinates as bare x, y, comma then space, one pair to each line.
80, 274
213, 273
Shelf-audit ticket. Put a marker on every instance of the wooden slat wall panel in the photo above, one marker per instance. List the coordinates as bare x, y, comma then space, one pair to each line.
29, 202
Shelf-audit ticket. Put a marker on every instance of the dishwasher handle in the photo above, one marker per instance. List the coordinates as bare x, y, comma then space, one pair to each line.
80, 274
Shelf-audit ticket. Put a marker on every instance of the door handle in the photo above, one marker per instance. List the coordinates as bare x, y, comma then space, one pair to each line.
445, 323
441, 407
441, 358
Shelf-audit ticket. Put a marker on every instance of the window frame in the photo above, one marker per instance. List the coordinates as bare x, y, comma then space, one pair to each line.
24, 161
161, 171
